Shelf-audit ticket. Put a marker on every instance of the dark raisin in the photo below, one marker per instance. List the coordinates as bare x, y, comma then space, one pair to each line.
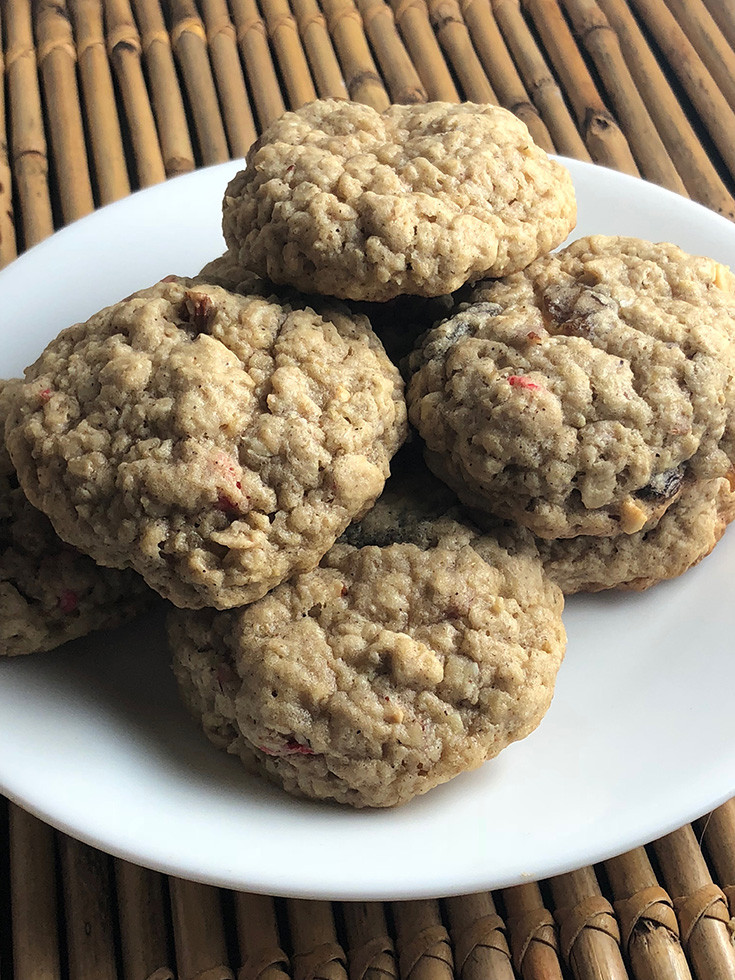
663, 486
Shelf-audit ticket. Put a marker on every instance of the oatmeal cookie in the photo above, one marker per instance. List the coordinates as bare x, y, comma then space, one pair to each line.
49, 592
339, 199
384, 672
577, 396
214, 442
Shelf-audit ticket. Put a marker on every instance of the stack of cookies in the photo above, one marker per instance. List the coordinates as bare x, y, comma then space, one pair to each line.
224, 442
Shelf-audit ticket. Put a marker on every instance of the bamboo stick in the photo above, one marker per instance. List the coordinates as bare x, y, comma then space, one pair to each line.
124, 48
650, 933
189, 42
592, 27
710, 104
700, 906
401, 77
233, 97
358, 67
500, 70
541, 84
422, 941
588, 931
33, 906
371, 951
140, 902
29, 156
261, 955
701, 28
717, 832
450, 28
603, 136
533, 936
478, 938
88, 911
724, 15
256, 57
8, 247
700, 177
284, 35
412, 19
168, 104
100, 109
199, 935
57, 64
319, 50
317, 955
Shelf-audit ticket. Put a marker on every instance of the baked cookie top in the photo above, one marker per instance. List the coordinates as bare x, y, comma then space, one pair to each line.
339, 199
49, 592
382, 673
576, 396
214, 442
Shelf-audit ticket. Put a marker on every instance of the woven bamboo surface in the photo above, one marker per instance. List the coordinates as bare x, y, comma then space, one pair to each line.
101, 97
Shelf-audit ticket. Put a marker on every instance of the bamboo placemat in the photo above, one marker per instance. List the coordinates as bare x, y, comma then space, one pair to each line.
100, 97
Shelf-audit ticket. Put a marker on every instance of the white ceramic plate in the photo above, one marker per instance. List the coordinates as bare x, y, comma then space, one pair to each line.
638, 741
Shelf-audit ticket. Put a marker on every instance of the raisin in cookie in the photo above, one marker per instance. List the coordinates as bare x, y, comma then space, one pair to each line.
342, 200
214, 442
385, 671
577, 396
49, 592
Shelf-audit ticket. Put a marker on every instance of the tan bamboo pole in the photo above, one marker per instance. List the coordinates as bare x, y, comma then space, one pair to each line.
189, 41
500, 70
358, 67
319, 50
233, 96
168, 104
33, 898
317, 954
284, 34
28, 150
709, 102
372, 954
588, 930
648, 926
592, 27
717, 831
541, 84
57, 64
256, 57
424, 952
702, 181
534, 940
100, 108
124, 48
478, 938
412, 19
141, 905
88, 912
700, 906
701, 28
261, 955
724, 15
199, 935
401, 77
603, 136
8, 247
450, 28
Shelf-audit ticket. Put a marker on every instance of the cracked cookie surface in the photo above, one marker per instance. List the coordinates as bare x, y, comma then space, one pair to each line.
577, 396
49, 592
214, 442
383, 672
339, 199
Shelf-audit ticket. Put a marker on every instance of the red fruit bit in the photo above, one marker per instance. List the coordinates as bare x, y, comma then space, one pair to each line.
521, 381
225, 503
45, 395
343, 591
68, 601
296, 748
201, 309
